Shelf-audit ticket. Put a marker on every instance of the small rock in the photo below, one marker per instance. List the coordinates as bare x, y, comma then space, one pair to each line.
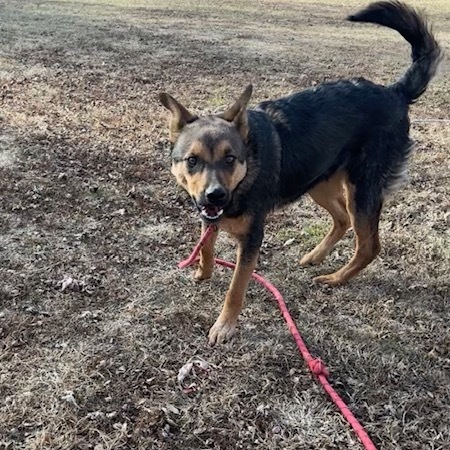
119, 212
447, 218
289, 242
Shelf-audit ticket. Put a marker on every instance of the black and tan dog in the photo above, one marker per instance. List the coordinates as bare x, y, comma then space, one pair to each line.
344, 143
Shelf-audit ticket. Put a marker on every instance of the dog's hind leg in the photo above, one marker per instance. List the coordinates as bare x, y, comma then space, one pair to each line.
364, 207
330, 195
206, 263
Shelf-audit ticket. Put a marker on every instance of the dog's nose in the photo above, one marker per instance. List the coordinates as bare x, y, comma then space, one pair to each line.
215, 194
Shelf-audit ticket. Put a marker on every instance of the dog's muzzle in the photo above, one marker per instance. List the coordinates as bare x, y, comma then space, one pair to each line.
212, 203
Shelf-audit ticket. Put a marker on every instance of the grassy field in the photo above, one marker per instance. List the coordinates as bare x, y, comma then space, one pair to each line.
95, 318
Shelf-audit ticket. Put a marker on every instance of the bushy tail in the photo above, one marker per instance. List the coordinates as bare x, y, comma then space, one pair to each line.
426, 53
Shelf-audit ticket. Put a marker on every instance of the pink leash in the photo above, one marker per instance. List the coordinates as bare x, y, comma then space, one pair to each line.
316, 366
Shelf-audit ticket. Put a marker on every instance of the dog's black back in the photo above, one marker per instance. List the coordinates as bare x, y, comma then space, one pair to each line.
325, 129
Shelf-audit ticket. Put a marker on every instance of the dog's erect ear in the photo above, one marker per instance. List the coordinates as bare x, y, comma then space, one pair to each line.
237, 113
239, 105
179, 118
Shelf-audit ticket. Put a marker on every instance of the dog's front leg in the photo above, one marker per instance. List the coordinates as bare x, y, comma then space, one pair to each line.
206, 263
246, 260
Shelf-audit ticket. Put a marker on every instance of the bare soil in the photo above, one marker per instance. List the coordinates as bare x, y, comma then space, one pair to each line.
95, 318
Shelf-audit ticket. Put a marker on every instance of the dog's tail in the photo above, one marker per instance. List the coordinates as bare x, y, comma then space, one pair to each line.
426, 53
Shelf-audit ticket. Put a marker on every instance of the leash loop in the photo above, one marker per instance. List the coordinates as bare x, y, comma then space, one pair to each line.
193, 257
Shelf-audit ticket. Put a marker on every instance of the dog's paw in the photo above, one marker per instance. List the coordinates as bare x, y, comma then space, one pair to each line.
312, 259
330, 280
202, 274
222, 330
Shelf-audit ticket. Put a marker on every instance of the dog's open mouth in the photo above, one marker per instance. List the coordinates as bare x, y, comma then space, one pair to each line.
211, 212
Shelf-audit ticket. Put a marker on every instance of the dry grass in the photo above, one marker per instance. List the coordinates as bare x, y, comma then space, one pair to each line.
86, 193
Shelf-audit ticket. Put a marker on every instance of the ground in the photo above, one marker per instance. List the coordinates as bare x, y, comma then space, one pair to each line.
96, 320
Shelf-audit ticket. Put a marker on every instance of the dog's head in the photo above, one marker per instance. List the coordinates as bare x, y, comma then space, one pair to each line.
209, 155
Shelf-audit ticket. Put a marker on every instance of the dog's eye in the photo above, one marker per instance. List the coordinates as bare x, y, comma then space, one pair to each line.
230, 159
192, 161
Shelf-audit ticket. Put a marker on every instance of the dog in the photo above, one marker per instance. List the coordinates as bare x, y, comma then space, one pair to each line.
345, 143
